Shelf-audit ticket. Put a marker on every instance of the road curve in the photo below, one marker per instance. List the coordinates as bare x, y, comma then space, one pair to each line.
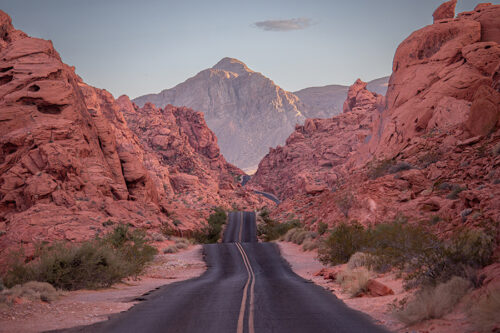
247, 288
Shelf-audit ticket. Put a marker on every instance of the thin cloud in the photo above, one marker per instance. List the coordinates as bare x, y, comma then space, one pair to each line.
284, 25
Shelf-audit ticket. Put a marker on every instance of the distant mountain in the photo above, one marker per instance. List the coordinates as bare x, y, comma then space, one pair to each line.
247, 111
327, 101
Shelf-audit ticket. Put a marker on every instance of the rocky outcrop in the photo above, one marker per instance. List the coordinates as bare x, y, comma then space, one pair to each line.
430, 155
314, 157
71, 166
247, 111
328, 101
445, 11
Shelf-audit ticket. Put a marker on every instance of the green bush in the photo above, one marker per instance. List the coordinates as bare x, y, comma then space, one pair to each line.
92, 264
344, 240
211, 233
269, 229
424, 258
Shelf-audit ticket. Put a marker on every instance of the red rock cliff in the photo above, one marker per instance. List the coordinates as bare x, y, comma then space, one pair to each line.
432, 154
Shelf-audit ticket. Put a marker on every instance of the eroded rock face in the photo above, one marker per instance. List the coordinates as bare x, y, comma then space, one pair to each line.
445, 11
72, 167
431, 154
315, 155
245, 109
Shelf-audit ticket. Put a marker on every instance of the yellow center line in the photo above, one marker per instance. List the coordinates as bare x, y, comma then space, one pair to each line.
251, 277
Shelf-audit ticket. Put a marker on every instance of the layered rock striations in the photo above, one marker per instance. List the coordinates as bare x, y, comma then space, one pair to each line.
431, 153
71, 166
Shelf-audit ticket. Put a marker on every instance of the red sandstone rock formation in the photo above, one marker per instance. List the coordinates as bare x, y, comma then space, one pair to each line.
445, 11
315, 155
69, 162
432, 154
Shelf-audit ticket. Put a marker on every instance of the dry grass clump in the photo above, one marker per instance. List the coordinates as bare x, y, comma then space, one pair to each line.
299, 236
484, 314
180, 244
34, 291
310, 244
434, 302
354, 281
359, 259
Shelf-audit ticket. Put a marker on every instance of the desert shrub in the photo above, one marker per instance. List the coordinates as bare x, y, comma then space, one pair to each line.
455, 191
434, 302
345, 201
156, 237
211, 233
396, 244
270, 229
360, 259
398, 167
484, 313
35, 291
462, 255
298, 235
354, 281
429, 158
181, 246
342, 242
379, 168
170, 249
310, 244
322, 228
92, 264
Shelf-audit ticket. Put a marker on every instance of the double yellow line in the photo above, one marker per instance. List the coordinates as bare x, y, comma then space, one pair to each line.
251, 282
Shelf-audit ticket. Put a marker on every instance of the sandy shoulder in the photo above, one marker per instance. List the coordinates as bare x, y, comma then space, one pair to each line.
305, 264
86, 307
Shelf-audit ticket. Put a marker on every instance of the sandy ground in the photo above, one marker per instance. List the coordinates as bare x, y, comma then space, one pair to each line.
305, 264
85, 307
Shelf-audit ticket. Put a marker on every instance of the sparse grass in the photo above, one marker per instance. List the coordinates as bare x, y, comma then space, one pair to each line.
484, 313
354, 281
434, 302
211, 233
302, 237
425, 259
310, 244
92, 264
180, 244
345, 201
359, 259
34, 291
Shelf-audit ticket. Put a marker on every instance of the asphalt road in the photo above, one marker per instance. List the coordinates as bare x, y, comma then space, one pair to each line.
247, 288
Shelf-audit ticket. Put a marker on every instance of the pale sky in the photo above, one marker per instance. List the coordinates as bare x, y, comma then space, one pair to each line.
138, 47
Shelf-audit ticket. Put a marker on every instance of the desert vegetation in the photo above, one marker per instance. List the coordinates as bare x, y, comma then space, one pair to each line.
300, 236
269, 229
92, 264
212, 231
442, 271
